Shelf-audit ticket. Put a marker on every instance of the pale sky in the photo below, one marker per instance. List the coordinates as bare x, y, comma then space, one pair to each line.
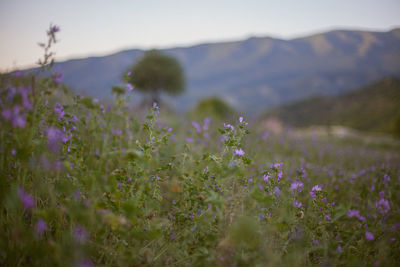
101, 27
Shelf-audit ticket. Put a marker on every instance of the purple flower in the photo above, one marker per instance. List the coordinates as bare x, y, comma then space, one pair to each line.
316, 188
74, 118
197, 126
55, 28
386, 178
280, 174
266, 178
277, 191
59, 109
238, 152
25, 100
54, 138
27, 201
229, 126
369, 236
297, 204
18, 73
6, 113
276, 165
189, 140
129, 87
382, 205
41, 227
57, 77
77, 194
19, 121
80, 234
355, 213
206, 124
116, 131
297, 185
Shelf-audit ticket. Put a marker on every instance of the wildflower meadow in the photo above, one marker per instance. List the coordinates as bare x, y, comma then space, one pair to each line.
89, 183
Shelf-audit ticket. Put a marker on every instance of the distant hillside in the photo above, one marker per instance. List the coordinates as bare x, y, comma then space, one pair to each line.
258, 73
372, 108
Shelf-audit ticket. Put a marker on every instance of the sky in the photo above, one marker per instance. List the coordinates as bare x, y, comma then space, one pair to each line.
101, 27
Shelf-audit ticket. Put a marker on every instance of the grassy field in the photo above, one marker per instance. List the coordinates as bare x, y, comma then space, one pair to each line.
88, 184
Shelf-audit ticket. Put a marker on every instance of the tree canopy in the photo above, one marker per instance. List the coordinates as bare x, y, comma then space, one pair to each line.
155, 73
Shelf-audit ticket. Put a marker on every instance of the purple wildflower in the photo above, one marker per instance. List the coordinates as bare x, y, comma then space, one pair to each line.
297, 185
280, 174
316, 188
129, 87
55, 28
6, 113
19, 121
238, 152
229, 126
355, 213
265, 135
77, 194
59, 109
382, 205
277, 191
266, 178
206, 124
80, 234
41, 227
369, 236
297, 204
27, 201
197, 126
116, 131
57, 77
242, 121
54, 137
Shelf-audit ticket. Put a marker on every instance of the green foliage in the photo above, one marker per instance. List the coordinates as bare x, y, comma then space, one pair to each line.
214, 107
156, 73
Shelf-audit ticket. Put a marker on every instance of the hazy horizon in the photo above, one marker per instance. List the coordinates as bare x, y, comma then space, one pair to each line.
98, 28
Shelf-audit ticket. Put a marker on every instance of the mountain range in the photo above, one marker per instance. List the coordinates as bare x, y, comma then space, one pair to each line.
258, 73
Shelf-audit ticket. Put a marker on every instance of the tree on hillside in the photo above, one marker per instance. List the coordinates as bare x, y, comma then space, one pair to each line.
155, 73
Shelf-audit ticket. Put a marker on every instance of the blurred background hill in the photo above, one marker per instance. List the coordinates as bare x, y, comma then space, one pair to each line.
257, 73
374, 108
